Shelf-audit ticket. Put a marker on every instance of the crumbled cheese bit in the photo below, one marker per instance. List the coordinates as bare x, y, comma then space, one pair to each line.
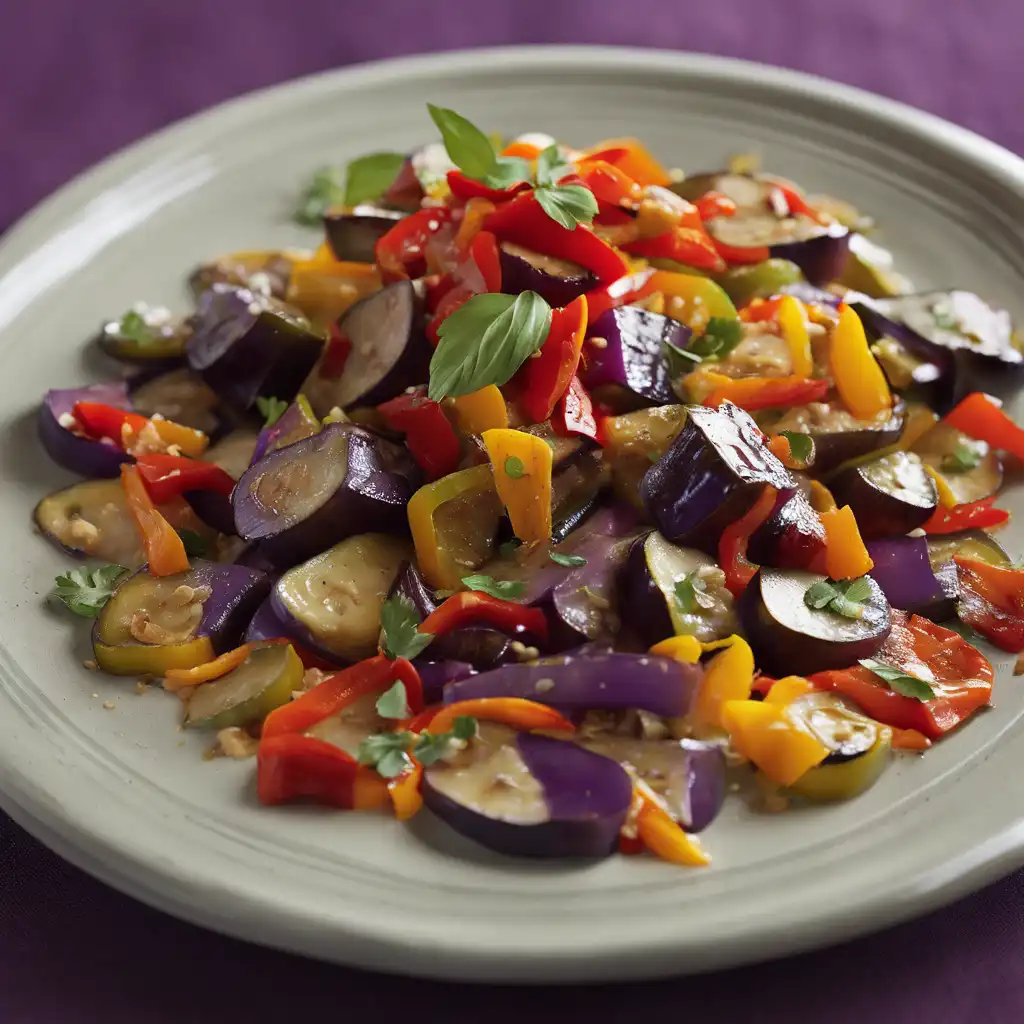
599, 342
91, 665
524, 653
236, 743
141, 687
108, 705
917, 533
544, 685
67, 421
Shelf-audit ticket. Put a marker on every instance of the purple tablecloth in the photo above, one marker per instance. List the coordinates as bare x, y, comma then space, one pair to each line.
78, 80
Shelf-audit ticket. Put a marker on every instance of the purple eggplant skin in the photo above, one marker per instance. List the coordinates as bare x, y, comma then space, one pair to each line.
178, 395
790, 638
792, 537
480, 647
213, 509
556, 281
389, 352
834, 447
576, 682
247, 345
905, 574
352, 235
436, 674
264, 624
889, 496
812, 295
822, 257
79, 454
707, 786
378, 479
586, 797
634, 357
711, 476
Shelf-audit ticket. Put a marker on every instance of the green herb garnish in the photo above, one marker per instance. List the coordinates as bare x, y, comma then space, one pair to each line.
680, 360
272, 409
386, 752
430, 748
326, 189
844, 597
195, 544
505, 589
801, 446
369, 177
394, 702
474, 153
691, 593
962, 459
900, 681
485, 341
514, 467
509, 547
568, 205
569, 561
399, 626
945, 320
720, 337
85, 591
133, 327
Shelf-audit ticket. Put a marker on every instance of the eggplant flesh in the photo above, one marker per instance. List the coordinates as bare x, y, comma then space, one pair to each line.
557, 281
352, 235
940, 448
347, 728
160, 339
262, 272
335, 598
790, 638
181, 396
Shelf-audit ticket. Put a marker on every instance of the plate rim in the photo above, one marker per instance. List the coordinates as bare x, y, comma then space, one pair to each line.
67, 830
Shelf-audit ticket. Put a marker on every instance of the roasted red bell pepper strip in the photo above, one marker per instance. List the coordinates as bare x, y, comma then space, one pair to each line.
485, 254
732, 545
165, 551
296, 767
167, 476
973, 515
715, 204
611, 185
960, 675
575, 414
400, 253
992, 601
341, 689
620, 292
797, 204
470, 607
107, 421
742, 254
469, 188
524, 222
543, 380
428, 435
336, 354
761, 310
514, 711
980, 416
479, 272
752, 393
686, 244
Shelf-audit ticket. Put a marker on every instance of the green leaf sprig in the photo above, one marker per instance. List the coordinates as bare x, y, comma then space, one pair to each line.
900, 681
801, 446
963, 459
194, 543
569, 561
388, 752
720, 337
85, 591
691, 593
399, 627
507, 590
133, 327
365, 178
844, 597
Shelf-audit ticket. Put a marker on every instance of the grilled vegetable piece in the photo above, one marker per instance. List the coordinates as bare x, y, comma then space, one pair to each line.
556, 281
62, 438
181, 396
265, 272
971, 469
146, 335
352, 234
889, 495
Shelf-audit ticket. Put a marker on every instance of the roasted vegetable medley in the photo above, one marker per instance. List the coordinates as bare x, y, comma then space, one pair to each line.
557, 491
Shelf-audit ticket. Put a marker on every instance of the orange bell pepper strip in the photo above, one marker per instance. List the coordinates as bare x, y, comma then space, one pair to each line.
758, 310
992, 601
404, 791
780, 447
481, 410
191, 442
469, 607
620, 292
164, 549
910, 739
545, 378
752, 393
980, 416
124, 427
291, 767
687, 244
742, 254
524, 222
664, 837
340, 690
610, 184
732, 545
179, 678
859, 379
973, 515
522, 465
958, 672
633, 158
472, 222
527, 150
766, 735
793, 321
514, 711
846, 557
821, 498
715, 204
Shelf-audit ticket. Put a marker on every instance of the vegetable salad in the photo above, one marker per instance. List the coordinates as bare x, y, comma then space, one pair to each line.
556, 491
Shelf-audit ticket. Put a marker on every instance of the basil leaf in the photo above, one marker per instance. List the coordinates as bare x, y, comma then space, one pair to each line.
551, 166
133, 327
514, 467
844, 597
369, 177
820, 595
680, 360
567, 205
386, 751
195, 544
399, 625
394, 702
326, 189
900, 681
430, 748
720, 337
509, 547
85, 591
858, 589
464, 727
485, 341
505, 589
272, 409
801, 446
691, 593
962, 459
468, 147
507, 171
569, 561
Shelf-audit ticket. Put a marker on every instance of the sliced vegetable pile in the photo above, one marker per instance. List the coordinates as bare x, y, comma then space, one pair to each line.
549, 485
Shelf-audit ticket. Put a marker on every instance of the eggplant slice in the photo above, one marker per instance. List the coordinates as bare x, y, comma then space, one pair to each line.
353, 234
556, 281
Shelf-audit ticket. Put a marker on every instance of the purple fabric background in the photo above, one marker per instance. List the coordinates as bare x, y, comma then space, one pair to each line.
79, 80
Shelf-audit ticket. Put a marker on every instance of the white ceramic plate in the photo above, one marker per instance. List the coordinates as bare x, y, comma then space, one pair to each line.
124, 795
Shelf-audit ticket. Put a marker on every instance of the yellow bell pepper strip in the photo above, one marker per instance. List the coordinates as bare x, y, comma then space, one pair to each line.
787, 689
918, 419
859, 379
404, 791
436, 562
685, 648
481, 410
545, 377
522, 466
179, 678
660, 834
947, 499
793, 322
732, 545
820, 497
980, 416
473, 217
690, 299
514, 711
164, 549
728, 676
632, 158
846, 557
767, 736
325, 288
753, 393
